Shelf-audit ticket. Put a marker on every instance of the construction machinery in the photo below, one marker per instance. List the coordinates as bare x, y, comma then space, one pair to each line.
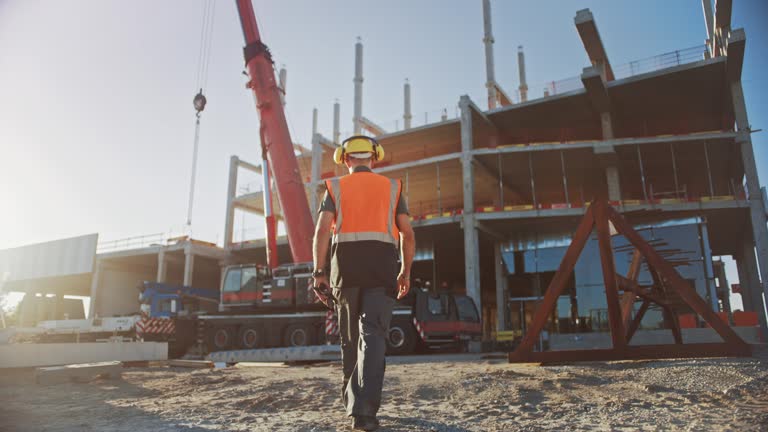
264, 306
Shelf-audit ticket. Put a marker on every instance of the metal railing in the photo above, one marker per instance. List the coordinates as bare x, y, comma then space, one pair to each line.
136, 242
131, 242
661, 61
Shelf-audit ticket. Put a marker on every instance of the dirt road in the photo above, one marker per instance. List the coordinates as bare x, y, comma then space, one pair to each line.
438, 393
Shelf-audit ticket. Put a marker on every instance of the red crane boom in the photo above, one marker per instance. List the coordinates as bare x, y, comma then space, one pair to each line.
276, 140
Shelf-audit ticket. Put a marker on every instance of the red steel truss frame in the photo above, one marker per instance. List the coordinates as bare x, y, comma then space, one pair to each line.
622, 326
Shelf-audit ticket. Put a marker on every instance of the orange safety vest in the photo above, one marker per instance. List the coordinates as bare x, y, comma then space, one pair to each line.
366, 206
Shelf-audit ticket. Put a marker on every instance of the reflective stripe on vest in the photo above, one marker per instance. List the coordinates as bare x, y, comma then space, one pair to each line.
367, 223
362, 236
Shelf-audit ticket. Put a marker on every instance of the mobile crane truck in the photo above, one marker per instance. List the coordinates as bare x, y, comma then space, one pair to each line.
274, 305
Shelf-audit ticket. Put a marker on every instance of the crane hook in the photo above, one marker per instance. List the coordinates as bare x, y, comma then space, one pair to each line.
199, 102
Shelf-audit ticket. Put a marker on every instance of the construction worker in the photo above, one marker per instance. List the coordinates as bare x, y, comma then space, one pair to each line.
368, 220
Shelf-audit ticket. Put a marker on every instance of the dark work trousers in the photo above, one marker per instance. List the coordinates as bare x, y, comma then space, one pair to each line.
364, 316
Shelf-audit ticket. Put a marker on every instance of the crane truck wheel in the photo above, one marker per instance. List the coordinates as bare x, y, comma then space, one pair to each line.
221, 338
297, 335
249, 338
401, 339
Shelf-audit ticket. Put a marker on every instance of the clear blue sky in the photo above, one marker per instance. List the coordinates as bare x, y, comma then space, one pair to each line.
96, 120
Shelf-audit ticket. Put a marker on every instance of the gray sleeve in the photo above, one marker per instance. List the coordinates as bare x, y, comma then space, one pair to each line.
327, 204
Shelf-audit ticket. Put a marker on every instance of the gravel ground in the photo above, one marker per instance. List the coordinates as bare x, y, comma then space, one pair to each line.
428, 393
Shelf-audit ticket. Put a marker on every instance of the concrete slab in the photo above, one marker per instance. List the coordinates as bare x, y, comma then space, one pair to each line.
54, 354
751, 335
294, 354
77, 372
194, 364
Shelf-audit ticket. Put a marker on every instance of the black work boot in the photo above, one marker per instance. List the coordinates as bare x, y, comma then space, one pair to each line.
365, 423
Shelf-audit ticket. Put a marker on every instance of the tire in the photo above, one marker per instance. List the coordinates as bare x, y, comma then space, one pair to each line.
250, 338
298, 335
401, 339
221, 338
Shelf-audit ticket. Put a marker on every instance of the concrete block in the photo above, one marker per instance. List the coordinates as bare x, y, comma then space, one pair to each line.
602, 340
77, 372
198, 364
54, 354
293, 354
475, 346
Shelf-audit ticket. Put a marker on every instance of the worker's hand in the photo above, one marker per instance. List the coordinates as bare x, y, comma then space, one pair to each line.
322, 291
317, 283
403, 285
319, 280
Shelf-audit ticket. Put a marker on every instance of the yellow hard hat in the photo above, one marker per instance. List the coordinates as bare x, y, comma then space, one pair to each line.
359, 145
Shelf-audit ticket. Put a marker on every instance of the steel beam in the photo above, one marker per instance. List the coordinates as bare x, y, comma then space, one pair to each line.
670, 277
609, 274
556, 286
635, 324
599, 213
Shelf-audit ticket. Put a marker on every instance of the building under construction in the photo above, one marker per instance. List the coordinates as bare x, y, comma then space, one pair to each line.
496, 193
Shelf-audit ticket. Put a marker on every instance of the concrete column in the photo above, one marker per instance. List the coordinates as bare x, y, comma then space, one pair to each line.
407, 105
709, 271
521, 69
751, 287
612, 171
594, 80
162, 267
501, 288
95, 280
189, 264
612, 177
755, 198
490, 74
314, 121
358, 87
229, 220
745, 283
709, 20
471, 240
336, 117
